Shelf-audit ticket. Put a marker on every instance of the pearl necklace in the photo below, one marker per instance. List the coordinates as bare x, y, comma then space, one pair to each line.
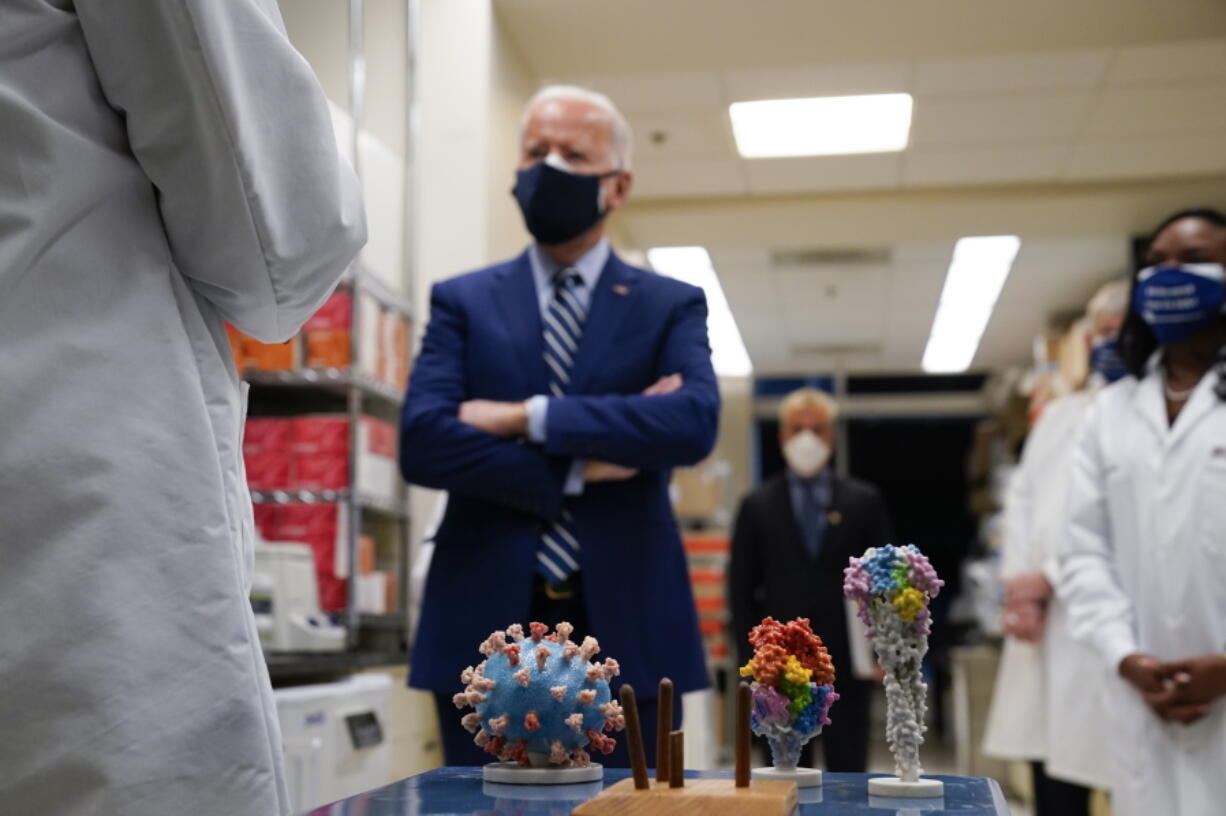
1177, 396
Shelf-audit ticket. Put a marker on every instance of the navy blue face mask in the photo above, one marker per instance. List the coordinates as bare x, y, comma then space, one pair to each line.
1179, 300
557, 205
1105, 360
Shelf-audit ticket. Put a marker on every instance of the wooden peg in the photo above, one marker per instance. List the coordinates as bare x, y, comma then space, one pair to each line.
676, 759
634, 738
664, 724
742, 735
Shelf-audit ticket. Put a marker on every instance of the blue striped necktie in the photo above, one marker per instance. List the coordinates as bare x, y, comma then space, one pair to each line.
558, 556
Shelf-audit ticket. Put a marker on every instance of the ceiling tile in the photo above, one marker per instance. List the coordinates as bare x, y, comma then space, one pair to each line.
1164, 110
832, 306
682, 134
1001, 118
983, 165
817, 80
1168, 61
824, 173
658, 92
1133, 159
687, 177
1070, 69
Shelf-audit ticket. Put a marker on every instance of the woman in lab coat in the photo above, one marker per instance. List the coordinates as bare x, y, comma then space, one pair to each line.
164, 166
1047, 707
1143, 565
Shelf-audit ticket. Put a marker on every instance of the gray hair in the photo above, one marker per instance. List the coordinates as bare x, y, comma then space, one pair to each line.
619, 128
808, 398
1111, 298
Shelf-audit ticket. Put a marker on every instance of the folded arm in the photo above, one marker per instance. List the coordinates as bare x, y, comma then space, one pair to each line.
438, 450
230, 125
647, 431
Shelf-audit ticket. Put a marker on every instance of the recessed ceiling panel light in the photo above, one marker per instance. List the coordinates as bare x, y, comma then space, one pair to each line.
976, 275
821, 126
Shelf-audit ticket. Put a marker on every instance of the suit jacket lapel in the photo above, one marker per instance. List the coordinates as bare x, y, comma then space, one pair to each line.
515, 293
611, 302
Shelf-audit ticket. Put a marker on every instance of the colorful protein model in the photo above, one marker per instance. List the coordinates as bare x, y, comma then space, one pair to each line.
792, 691
539, 700
892, 587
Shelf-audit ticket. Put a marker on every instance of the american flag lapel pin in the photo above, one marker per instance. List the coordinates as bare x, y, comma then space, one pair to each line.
619, 289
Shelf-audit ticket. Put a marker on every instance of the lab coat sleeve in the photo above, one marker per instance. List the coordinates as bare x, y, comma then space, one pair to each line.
229, 124
1100, 612
438, 450
656, 432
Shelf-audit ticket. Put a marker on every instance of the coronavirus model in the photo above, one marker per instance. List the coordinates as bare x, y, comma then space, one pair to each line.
540, 702
892, 587
793, 689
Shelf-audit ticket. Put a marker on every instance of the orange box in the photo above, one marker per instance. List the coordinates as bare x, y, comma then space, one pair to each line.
366, 555
328, 348
399, 351
390, 595
271, 356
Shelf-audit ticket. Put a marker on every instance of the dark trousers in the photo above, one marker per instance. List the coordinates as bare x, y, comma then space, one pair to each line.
1052, 797
458, 745
845, 740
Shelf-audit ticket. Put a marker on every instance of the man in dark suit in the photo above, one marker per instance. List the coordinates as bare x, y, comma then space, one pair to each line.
791, 541
552, 396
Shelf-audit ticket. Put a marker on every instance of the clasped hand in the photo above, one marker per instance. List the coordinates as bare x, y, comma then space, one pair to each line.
509, 419
1182, 691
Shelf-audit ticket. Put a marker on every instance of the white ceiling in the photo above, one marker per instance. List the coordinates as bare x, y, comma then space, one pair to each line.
1143, 111
1078, 107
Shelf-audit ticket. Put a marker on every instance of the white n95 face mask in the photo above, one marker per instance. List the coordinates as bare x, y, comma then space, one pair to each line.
806, 454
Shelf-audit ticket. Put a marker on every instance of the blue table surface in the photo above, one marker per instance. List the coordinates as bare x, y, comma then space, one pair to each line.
461, 791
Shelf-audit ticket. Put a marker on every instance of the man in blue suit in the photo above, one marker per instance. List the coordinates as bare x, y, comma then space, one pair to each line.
552, 396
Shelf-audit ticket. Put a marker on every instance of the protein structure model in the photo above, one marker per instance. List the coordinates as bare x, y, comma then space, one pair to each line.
892, 587
793, 687
539, 699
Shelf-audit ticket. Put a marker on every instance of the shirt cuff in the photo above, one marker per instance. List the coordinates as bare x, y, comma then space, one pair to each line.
574, 479
1115, 644
537, 408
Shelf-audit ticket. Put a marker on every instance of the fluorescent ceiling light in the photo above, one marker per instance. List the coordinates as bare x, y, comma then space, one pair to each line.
976, 275
821, 126
693, 266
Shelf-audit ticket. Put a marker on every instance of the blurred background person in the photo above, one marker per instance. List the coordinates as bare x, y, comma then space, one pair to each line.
553, 395
1064, 739
167, 167
1143, 565
791, 541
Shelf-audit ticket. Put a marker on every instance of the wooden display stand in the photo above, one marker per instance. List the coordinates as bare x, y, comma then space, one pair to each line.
670, 793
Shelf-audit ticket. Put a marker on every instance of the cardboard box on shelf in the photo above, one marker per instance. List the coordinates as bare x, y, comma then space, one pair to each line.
271, 356
366, 555
269, 470
321, 471
378, 473
326, 334
698, 492
319, 433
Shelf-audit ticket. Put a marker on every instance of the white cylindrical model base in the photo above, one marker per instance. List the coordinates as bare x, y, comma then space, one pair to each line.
512, 773
803, 777
894, 787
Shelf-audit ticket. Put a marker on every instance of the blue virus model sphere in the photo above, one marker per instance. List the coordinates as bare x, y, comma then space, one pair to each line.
538, 698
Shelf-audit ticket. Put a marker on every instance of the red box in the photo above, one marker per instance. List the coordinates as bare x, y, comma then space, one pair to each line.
266, 434
268, 470
267, 520
333, 593
336, 313
315, 525
380, 437
321, 471
319, 434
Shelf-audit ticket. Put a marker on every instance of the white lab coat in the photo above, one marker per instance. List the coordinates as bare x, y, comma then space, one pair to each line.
1143, 569
163, 166
1047, 705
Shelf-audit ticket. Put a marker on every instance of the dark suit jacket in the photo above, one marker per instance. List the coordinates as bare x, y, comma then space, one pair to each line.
772, 574
485, 341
